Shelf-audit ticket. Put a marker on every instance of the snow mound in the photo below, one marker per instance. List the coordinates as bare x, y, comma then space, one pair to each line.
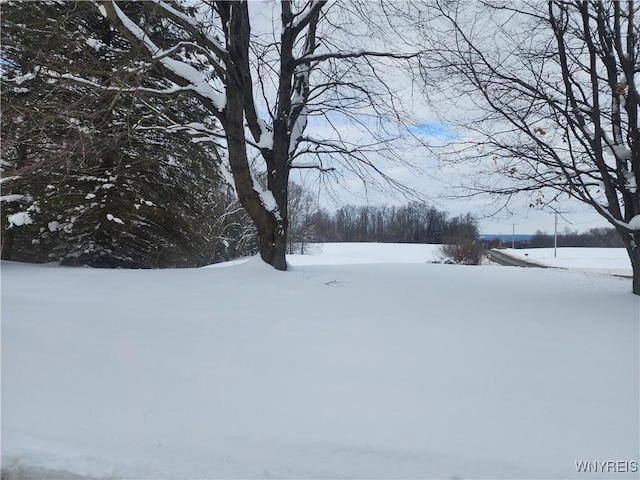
16, 471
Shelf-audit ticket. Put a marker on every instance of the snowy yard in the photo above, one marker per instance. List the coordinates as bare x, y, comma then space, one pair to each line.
343, 367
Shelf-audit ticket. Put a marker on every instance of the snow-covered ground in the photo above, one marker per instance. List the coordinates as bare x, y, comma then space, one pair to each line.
366, 253
333, 369
613, 261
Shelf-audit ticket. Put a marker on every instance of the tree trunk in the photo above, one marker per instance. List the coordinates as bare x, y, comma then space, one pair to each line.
631, 243
269, 220
6, 248
271, 225
273, 238
635, 265
273, 244
634, 256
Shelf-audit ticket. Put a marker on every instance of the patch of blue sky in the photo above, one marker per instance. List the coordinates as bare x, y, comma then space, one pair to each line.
433, 129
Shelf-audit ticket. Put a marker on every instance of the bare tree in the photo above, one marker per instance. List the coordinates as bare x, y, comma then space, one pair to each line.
235, 234
263, 90
554, 90
301, 209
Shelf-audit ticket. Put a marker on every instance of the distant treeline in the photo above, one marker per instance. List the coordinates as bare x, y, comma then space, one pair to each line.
595, 237
412, 223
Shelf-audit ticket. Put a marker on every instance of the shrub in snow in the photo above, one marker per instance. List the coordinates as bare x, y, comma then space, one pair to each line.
460, 245
465, 252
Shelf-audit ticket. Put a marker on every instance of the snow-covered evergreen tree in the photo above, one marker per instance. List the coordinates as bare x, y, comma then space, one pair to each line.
94, 175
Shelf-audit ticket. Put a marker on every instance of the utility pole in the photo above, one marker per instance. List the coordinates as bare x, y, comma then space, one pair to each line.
555, 236
513, 236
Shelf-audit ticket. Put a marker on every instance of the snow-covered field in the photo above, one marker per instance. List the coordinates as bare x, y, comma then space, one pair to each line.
613, 261
366, 253
342, 367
